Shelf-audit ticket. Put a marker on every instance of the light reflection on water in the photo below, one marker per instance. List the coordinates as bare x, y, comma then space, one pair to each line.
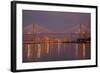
56, 52
53, 47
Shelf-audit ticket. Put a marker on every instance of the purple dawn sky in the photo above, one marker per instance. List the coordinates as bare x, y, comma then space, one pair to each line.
56, 21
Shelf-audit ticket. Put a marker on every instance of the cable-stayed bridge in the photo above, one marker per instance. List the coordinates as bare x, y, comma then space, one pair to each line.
41, 44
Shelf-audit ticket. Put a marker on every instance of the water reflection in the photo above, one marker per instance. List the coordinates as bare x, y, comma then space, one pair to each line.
47, 48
